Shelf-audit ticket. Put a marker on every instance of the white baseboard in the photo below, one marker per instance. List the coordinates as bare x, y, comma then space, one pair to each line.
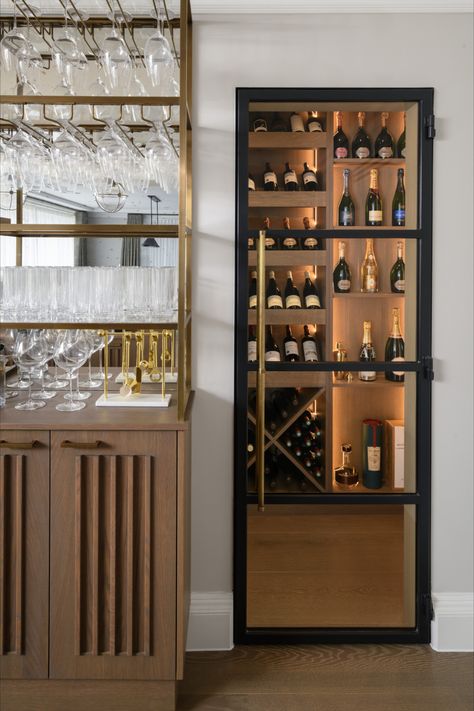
210, 622
452, 629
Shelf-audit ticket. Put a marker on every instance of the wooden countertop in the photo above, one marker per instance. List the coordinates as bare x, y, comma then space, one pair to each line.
92, 417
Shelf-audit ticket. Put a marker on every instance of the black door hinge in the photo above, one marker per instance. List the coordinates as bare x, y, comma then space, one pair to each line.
428, 608
430, 129
427, 363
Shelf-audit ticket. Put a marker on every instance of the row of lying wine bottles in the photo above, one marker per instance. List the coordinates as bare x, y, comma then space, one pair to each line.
309, 179
274, 300
295, 123
373, 204
291, 241
384, 145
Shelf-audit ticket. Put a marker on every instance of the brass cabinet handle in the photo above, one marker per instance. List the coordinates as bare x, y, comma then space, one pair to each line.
260, 413
68, 444
18, 445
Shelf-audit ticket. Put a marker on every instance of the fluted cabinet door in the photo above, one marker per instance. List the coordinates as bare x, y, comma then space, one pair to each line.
113, 555
24, 554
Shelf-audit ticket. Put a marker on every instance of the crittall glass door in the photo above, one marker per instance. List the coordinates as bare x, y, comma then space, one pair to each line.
333, 367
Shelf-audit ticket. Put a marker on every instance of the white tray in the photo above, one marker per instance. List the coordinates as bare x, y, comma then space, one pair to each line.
170, 378
138, 400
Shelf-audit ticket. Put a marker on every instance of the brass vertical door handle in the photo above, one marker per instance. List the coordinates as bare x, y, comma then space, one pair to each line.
260, 410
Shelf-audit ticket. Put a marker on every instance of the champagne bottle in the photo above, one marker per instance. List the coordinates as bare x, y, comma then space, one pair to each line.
314, 122
290, 346
310, 242
397, 272
361, 147
260, 124
272, 350
342, 274
395, 348
309, 177
398, 204
270, 181
289, 178
270, 242
296, 122
402, 139
345, 475
251, 182
252, 345
384, 141
278, 123
310, 293
274, 300
367, 353
292, 295
310, 344
346, 206
253, 291
289, 242
341, 143
373, 204
369, 271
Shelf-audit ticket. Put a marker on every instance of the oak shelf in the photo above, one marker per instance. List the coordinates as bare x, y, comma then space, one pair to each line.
281, 198
338, 162
282, 317
364, 295
287, 139
290, 257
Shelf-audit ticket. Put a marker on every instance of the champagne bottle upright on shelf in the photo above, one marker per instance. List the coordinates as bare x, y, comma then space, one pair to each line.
342, 274
270, 181
310, 293
272, 350
278, 123
346, 475
289, 179
367, 353
253, 291
309, 178
296, 122
290, 346
397, 272
259, 124
314, 122
401, 141
361, 146
398, 203
252, 345
395, 348
251, 182
369, 271
292, 295
373, 204
311, 347
274, 300
289, 242
310, 242
346, 211
384, 141
341, 142
270, 242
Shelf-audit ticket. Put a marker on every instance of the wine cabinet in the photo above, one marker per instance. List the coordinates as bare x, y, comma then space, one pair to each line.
324, 553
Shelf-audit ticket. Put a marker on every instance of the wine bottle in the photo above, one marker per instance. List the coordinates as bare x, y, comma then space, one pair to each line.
297, 432
251, 182
293, 394
367, 353
274, 300
280, 404
346, 475
384, 141
290, 346
342, 274
402, 139
296, 122
373, 204
259, 124
252, 345
270, 181
278, 123
270, 241
395, 348
298, 451
290, 180
305, 420
372, 435
310, 293
361, 146
251, 243
289, 242
341, 142
272, 350
369, 271
309, 177
270, 414
292, 295
314, 122
346, 209
310, 344
310, 242
253, 291
398, 204
397, 272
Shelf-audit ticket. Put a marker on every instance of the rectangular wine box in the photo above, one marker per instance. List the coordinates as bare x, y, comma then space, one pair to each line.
395, 453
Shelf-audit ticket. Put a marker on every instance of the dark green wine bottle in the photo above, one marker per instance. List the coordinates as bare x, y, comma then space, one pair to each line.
292, 295
309, 177
397, 272
340, 142
253, 291
401, 140
290, 346
373, 204
274, 300
311, 346
270, 181
252, 345
342, 274
290, 180
384, 141
272, 350
310, 293
398, 204
361, 146
395, 348
346, 206
278, 123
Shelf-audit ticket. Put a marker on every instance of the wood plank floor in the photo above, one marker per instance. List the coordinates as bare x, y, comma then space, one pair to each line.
328, 678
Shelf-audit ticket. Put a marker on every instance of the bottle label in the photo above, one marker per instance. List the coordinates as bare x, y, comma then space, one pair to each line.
251, 184
291, 348
296, 123
344, 284
403, 152
385, 152
289, 243
253, 302
312, 300
309, 177
370, 283
375, 215
309, 350
346, 217
398, 360
341, 152
269, 242
367, 375
270, 177
272, 355
293, 301
290, 177
373, 459
310, 243
399, 215
314, 126
252, 350
362, 152
400, 285
275, 301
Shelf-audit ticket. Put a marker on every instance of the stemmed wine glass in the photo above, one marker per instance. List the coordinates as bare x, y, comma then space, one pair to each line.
96, 342
115, 58
71, 352
7, 339
100, 375
42, 393
157, 53
31, 352
56, 383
